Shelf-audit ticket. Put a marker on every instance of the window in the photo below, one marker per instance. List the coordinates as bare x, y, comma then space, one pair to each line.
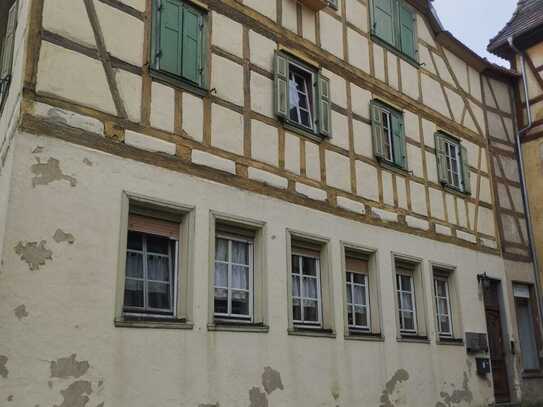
8, 25
302, 95
151, 261
358, 310
406, 303
394, 22
309, 285
178, 38
410, 299
233, 277
443, 306
453, 165
333, 3
526, 327
389, 142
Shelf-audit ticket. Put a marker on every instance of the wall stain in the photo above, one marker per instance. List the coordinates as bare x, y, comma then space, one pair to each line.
37, 150
49, 172
10, 397
457, 396
34, 254
257, 398
69, 367
61, 236
3, 369
20, 312
101, 404
271, 380
87, 162
56, 116
399, 377
335, 391
209, 405
76, 394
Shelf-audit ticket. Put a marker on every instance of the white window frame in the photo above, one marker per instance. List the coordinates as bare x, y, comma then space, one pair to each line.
401, 309
387, 130
444, 279
451, 171
229, 316
350, 286
310, 103
172, 265
302, 322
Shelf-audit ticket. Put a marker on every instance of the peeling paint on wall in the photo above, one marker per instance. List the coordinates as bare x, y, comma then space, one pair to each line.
3, 369
390, 387
88, 162
45, 173
10, 397
61, 236
34, 254
20, 312
76, 394
69, 367
257, 398
457, 396
271, 380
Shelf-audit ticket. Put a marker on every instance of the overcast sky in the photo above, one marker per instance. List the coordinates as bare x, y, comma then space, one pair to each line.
475, 22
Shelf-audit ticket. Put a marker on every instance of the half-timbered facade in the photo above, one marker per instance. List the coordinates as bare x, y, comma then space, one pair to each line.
263, 202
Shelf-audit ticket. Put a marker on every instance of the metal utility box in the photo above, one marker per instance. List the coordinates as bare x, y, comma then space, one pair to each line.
483, 366
476, 342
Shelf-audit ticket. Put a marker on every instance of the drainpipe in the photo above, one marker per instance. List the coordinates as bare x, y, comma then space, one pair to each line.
524, 188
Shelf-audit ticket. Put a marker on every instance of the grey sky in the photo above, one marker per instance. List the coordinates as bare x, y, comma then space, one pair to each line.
475, 22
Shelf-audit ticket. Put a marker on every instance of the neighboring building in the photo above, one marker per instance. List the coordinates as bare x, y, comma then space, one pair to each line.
521, 42
267, 202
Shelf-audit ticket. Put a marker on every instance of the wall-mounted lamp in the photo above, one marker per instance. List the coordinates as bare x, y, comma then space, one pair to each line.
483, 279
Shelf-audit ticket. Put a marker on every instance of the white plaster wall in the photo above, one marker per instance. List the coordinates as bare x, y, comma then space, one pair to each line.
70, 300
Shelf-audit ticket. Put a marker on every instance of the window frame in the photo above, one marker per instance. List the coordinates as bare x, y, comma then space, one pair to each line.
135, 203
442, 278
378, 130
350, 286
302, 322
313, 111
401, 309
443, 162
5, 83
534, 322
229, 316
450, 143
201, 88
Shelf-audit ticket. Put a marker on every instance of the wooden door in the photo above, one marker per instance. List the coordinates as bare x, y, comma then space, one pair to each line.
496, 342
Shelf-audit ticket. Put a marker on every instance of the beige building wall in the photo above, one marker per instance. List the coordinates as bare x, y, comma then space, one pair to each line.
93, 128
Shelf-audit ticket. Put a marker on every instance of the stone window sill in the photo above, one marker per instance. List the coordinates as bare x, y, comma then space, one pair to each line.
450, 341
153, 323
237, 327
364, 336
317, 332
413, 339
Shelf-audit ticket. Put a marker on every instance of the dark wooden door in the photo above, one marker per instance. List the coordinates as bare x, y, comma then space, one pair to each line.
496, 342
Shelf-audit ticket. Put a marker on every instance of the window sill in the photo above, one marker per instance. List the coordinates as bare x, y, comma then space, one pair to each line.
455, 191
237, 327
413, 339
178, 82
303, 132
532, 374
153, 323
317, 332
395, 50
450, 341
393, 167
364, 336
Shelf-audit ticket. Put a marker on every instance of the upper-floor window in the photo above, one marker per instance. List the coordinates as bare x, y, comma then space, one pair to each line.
393, 21
302, 95
389, 142
8, 25
452, 163
178, 40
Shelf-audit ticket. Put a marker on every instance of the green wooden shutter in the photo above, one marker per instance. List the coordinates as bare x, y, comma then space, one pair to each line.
323, 89
281, 85
398, 140
383, 19
192, 45
7, 51
466, 172
441, 156
377, 131
407, 31
170, 43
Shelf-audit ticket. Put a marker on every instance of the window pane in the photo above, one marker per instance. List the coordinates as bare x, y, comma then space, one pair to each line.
159, 295
240, 302
240, 277
135, 241
444, 325
441, 288
359, 295
359, 278
406, 283
528, 343
295, 264
350, 316
295, 286
221, 301
407, 301
134, 265
310, 288
361, 316
133, 293
442, 307
311, 311
221, 250
304, 118
309, 266
296, 310
221, 275
240, 253
157, 244
409, 323
349, 294
158, 268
